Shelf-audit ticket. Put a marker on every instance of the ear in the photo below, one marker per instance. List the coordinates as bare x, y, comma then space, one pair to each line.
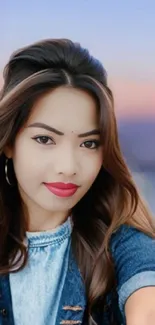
8, 152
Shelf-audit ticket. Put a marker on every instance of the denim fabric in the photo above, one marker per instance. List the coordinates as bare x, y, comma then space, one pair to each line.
134, 258
36, 290
73, 299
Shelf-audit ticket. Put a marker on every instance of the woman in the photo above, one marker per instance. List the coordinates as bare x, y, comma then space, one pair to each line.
77, 243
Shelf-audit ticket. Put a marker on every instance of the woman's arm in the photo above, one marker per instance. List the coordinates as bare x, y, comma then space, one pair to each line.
140, 307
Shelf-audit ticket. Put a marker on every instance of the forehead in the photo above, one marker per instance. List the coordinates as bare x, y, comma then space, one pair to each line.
66, 108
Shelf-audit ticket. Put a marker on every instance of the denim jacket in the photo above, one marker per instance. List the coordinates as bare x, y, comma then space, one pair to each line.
134, 259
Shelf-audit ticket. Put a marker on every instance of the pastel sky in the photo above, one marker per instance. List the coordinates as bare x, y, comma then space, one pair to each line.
120, 33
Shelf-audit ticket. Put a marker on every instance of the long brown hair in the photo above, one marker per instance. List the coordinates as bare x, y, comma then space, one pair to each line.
112, 200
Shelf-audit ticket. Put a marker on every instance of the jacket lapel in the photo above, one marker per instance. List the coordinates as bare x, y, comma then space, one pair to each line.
73, 300
6, 313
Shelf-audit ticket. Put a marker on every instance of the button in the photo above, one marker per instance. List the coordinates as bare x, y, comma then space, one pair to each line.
3, 312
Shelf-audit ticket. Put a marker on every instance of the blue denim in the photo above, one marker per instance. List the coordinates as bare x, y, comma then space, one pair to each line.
134, 259
43, 278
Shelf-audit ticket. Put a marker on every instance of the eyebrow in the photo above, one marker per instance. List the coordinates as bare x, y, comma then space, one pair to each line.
51, 129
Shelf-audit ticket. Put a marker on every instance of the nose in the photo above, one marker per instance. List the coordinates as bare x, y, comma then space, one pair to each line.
67, 163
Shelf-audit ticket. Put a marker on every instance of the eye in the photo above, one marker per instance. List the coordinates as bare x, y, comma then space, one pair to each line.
91, 144
44, 140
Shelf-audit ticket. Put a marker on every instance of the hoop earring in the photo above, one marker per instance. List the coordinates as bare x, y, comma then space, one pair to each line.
6, 172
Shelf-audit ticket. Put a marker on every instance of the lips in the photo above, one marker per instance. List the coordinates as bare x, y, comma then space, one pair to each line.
62, 189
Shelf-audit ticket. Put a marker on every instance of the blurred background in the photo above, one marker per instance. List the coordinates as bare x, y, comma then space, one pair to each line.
121, 35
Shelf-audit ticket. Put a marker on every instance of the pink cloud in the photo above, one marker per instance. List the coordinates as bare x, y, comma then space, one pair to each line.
133, 98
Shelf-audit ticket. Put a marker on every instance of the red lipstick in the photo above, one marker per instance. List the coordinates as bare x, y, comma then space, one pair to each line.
62, 189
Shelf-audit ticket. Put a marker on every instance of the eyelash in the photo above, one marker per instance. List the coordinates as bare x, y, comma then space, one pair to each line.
96, 142
43, 137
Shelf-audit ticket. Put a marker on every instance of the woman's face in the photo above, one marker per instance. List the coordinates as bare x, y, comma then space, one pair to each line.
60, 143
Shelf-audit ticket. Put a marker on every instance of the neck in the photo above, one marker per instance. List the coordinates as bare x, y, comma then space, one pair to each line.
45, 220
36, 225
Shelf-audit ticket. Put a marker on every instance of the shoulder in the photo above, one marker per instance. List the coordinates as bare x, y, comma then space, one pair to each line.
131, 243
126, 233
133, 254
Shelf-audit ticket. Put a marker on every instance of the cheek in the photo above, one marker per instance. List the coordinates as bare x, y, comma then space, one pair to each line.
93, 167
26, 164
